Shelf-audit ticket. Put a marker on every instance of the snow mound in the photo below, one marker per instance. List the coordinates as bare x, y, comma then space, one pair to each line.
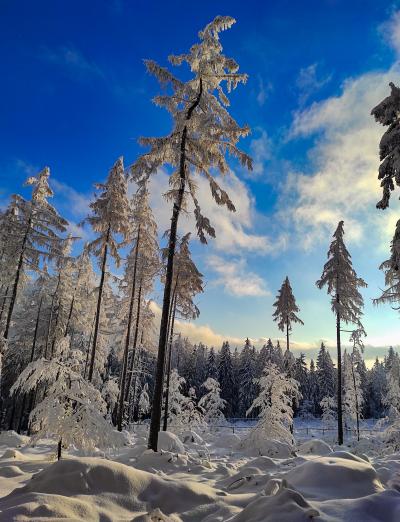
10, 471
269, 448
262, 463
168, 441
14, 454
92, 489
12, 439
191, 437
335, 477
289, 504
315, 447
229, 440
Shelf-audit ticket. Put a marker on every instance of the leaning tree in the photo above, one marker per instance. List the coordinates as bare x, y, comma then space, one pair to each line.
387, 112
342, 285
203, 133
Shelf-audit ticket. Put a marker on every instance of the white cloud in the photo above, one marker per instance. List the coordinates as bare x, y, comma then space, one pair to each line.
343, 183
390, 30
236, 280
260, 151
233, 229
76, 203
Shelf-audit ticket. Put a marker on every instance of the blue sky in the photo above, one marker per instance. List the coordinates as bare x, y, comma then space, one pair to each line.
75, 96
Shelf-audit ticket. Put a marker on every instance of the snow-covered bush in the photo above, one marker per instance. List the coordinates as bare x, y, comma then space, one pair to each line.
72, 409
212, 403
274, 404
328, 405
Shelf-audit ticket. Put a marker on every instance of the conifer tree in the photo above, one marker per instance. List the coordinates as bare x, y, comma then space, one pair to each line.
34, 231
109, 218
342, 285
286, 310
203, 133
274, 406
226, 376
140, 270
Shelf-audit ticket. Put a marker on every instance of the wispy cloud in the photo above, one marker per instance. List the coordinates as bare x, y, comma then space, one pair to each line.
309, 81
71, 60
264, 89
76, 203
236, 279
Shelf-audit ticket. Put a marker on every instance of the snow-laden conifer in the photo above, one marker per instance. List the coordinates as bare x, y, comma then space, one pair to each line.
274, 407
343, 286
212, 403
203, 133
34, 230
109, 219
286, 309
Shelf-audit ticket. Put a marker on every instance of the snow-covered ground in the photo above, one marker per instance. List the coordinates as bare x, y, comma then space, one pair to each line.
208, 477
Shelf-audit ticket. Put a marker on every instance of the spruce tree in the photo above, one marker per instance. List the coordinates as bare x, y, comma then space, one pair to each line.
342, 285
226, 377
286, 310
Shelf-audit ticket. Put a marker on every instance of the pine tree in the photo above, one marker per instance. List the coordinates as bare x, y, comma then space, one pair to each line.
325, 374
286, 310
212, 369
226, 376
110, 217
352, 393
203, 133
246, 378
342, 284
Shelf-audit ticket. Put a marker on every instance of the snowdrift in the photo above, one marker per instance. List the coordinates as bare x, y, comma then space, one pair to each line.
92, 488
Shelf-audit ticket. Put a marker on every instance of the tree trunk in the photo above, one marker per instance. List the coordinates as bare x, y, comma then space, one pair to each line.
98, 311
339, 383
51, 316
162, 343
59, 449
71, 308
3, 305
88, 347
127, 339
287, 335
171, 336
356, 398
135, 338
21, 417
16, 280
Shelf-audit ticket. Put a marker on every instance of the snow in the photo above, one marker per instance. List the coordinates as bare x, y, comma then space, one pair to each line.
194, 478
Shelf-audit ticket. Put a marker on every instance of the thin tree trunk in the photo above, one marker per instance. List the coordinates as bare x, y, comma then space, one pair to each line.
135, 338
162, 343
3, 305
339, 383
88, 347
21, 417
98, 311
356, 398
171, 336
287, 335
16, 280
51, 316
59, 449
69, 316
127, 339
